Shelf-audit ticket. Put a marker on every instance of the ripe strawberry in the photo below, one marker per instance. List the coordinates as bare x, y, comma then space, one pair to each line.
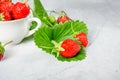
6, 6
71, 48
63, 19
20, 10
1, 56
82, 38
1, 1
5, 16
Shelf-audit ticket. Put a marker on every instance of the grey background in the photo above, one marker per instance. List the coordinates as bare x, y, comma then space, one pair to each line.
27, 62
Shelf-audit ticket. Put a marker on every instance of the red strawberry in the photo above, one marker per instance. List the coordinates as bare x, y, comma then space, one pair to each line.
20, 10
5, 16
1, 1
71, 48
1, 56
82, 38
63, 19
6, 6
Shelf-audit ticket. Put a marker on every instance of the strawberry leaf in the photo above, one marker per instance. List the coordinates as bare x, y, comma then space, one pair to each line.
68, 30
39, 10
45, 36
62, 31
79, 26
41, 13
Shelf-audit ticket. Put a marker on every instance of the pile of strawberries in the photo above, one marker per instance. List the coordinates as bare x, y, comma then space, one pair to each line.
12, 11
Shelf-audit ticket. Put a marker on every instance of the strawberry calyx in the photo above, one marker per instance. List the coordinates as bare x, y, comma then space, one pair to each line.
2, 50
5, 16
57, 47
63, 14
67, 48
1, 17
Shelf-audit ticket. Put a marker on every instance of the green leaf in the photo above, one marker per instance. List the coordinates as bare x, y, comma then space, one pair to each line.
2, 50
61, 32
41, 13
46, 35
79, 26
39, 10
42, 38
68, 30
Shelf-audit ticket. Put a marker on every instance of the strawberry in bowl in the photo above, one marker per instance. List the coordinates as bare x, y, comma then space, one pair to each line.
13, 11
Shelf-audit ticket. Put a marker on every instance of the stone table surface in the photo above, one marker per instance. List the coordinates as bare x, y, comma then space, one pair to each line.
27, 62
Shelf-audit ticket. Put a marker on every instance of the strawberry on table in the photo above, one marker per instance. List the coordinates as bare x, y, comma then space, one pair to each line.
20, 10
82, 37
71, 48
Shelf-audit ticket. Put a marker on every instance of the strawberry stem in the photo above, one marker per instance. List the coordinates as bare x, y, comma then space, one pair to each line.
47, 21
55, 12
7, 43
63, 13
57, 54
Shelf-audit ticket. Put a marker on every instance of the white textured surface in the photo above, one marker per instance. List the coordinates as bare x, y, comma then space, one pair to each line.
26, 62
